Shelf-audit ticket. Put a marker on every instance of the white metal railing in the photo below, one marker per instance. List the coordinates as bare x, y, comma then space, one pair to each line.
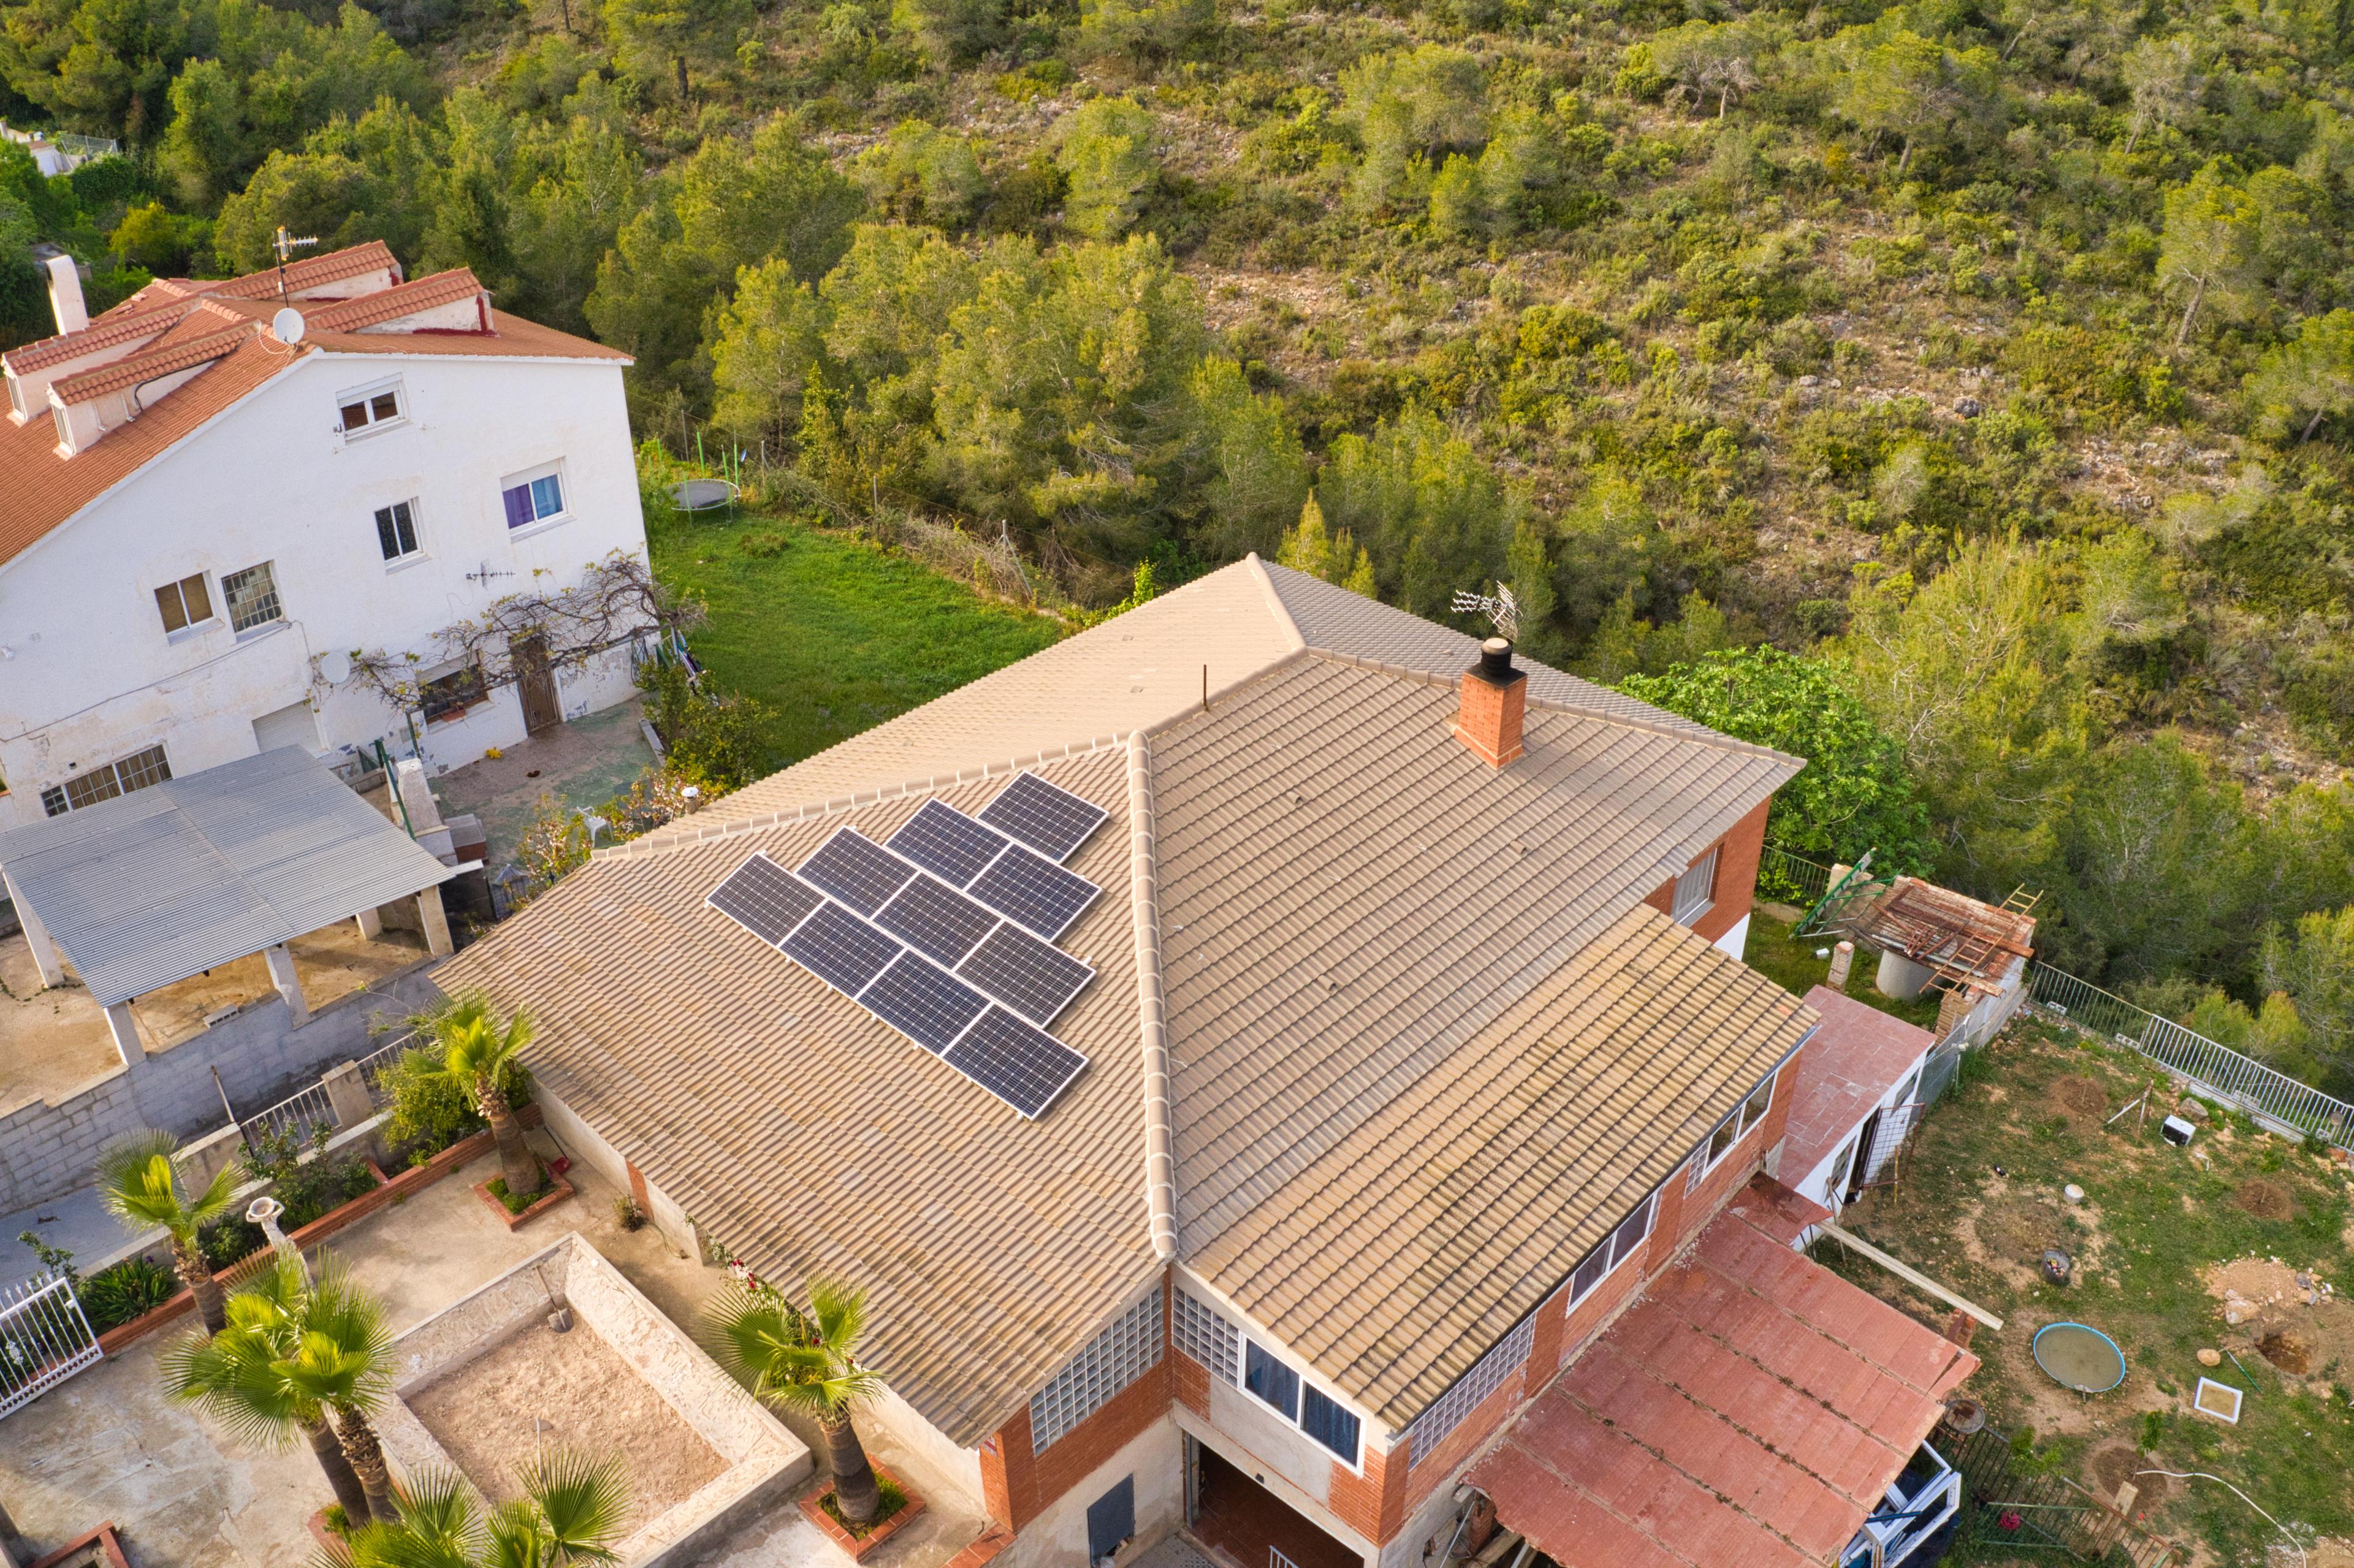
2298, 1109
297, 1114
44, 1340
372, 1066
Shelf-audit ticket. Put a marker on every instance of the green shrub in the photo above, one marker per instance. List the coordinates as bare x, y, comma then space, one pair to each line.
129, 1289
430, 1111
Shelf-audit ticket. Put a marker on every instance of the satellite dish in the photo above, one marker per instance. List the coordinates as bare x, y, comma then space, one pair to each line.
288, 323
335, 667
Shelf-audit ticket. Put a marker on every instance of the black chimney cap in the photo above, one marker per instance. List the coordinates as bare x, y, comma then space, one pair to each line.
1496, 662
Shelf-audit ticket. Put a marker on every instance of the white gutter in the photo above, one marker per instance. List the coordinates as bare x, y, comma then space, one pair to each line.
1159, 1165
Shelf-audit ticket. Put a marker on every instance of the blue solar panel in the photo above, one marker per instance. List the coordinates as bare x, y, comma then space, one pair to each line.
923, 1001
947, 843
856, 870
765, 899
1051, 820
841, 950
1029, 888
1032, 978
1020, 1064
936, 919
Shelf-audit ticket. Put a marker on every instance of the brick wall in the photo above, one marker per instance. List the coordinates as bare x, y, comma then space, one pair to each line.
46, 1151
1736, 876
1020, 1484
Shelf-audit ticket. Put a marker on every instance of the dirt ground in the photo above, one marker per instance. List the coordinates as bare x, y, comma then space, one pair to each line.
55, 1041
544, 1388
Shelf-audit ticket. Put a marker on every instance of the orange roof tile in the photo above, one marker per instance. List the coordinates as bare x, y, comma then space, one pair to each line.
403, 300
156, 363
510, 338
107, 332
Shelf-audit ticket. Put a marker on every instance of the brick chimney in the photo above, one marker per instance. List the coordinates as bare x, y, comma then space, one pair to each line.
1495, 697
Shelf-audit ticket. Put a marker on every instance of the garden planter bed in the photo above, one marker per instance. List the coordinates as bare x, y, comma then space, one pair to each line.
858, 1546
389, 1190
559, 1189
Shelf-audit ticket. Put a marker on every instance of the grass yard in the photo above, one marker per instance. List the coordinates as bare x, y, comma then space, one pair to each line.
833, 633
2160, 1240
1790, 962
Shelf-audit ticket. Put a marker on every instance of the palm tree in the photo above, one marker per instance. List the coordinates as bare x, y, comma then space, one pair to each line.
573, 1509
234, 1376
806, 1361
472, 1049
140, 1186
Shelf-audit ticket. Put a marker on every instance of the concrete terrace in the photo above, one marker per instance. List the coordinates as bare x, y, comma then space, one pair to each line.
107, 1446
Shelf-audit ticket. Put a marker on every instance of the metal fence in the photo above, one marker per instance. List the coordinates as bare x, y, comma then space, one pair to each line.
1781, 874
44, 1340
372, 1066
2012, 1515
2274, 1099
296, 1114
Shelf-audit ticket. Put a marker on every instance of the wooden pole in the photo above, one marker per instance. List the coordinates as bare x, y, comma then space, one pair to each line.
1910, 1275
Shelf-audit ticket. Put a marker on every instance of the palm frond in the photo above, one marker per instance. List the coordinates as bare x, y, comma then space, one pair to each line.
437, 1505
584, 1501
138, 1185
517, 1539
840, 1309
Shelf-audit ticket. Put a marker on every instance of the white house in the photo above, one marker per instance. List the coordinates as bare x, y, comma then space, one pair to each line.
231, 511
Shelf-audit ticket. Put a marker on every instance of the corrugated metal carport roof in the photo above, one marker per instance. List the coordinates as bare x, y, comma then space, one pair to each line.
171, 880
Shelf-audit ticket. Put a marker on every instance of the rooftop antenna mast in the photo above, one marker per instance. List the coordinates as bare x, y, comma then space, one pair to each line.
286, 245
1502, 610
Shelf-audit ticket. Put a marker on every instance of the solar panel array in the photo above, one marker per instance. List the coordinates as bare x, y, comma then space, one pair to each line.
946, 932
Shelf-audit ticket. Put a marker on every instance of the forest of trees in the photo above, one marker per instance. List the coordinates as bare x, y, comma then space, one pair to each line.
1960, 391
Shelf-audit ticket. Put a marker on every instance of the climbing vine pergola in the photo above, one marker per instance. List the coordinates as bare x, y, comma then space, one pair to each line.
615, 602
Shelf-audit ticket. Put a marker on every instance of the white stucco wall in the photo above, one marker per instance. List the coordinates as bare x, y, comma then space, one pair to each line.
89, 675
1735, 944
1816, 1184
1059, 1537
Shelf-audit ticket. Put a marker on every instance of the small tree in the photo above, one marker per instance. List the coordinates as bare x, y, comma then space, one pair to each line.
2308, 378
2164, 82
469, 1047
230, 1377
1110, 154
2212, 243
574, 1508
1309, 546
140, 1186
806, 1361
2314, 965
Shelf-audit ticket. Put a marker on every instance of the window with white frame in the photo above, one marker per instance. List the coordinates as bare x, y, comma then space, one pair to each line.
252, 597
534, 497
1696, 889
1732, 1130
119, 776
1235, 1358
1206, 1334
1111, 1360
1442, 1415
1614, 1249
370, 406
185, 603
395, 530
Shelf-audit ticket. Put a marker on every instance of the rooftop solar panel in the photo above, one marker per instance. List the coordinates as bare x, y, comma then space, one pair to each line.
841, 950
923, 1001
1027, 975
936, 919
947, 843
856, 870
1033, 890
1051, 820
765, 899
1020, 1064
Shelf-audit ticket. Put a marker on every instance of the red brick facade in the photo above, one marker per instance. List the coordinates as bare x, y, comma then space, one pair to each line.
1022, 1484
1736, 878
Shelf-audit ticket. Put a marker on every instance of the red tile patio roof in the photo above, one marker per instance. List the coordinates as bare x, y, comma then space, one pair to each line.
1750, 1409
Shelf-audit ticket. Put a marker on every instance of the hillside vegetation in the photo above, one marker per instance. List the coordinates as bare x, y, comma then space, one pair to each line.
1992, 360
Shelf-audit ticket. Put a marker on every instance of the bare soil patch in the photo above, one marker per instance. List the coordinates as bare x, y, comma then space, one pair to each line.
542, 1389
2080, 1098
2285, 1349
2265, 1199
2020, 1229
2114, 1465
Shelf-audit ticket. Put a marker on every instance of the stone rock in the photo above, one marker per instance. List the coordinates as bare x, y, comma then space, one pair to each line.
1811, 380
1967, 408
2210, 1358
2192, 1111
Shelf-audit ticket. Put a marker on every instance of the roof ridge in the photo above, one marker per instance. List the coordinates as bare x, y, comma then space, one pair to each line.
100, 333
154, 364
649, 846
1282, 612
1152, 1008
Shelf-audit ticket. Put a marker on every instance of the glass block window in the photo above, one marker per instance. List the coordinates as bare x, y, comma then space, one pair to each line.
1487, 1375
1203, 1333
252, 596
1112, 1359
120, 777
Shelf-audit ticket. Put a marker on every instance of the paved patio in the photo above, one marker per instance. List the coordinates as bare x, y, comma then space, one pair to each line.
583, 763
183, 1494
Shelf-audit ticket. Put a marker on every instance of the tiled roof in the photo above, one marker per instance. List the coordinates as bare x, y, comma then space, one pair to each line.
424, 294
1351, 915
1854, 1059
1752, 1409
38, 489
176, 324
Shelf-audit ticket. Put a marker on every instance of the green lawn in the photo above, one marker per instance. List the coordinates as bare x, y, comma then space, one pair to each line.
1790, 962
833, 633
1982, 1197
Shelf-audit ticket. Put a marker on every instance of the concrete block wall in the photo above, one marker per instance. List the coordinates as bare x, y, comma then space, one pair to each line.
46, 1151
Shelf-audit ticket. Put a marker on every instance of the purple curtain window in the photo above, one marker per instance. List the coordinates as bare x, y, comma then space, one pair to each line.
518, 506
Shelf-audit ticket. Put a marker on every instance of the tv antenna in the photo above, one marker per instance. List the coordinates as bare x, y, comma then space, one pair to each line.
1502, 610
285, 245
